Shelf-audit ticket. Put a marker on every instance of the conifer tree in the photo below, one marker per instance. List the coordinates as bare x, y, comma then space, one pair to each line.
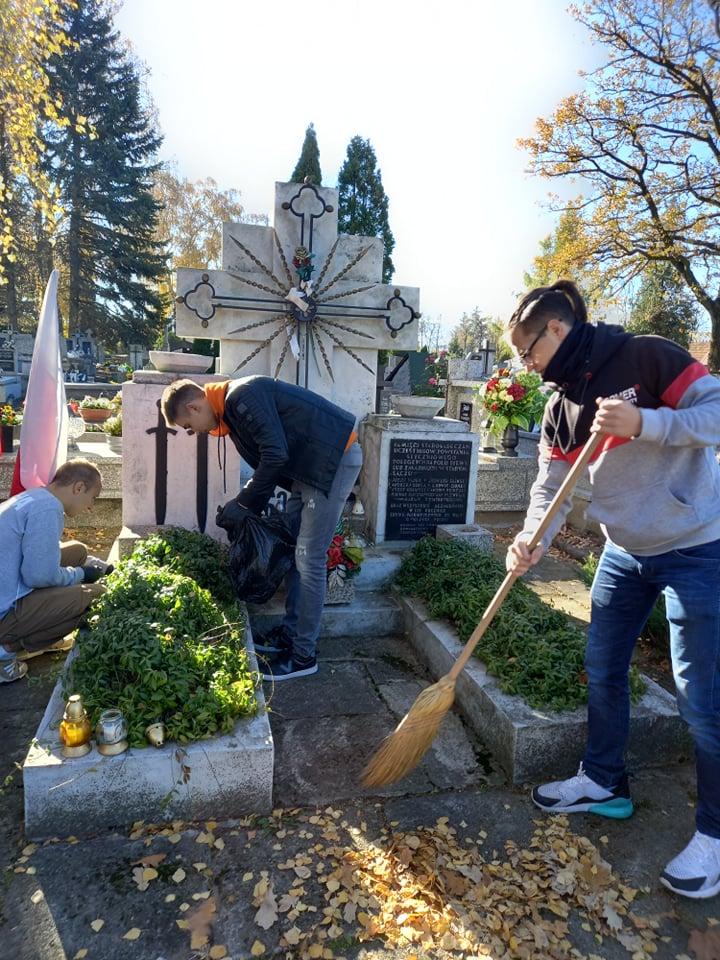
309, 163
363, 203
664, 306
111, 258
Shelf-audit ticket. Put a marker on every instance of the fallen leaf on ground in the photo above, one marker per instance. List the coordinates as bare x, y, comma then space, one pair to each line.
257, 949
152, 860
179, 875
218, 952
268, 913
705, 944
292, 936
132, 934
200, 924
37, 896
97, 925
82, 952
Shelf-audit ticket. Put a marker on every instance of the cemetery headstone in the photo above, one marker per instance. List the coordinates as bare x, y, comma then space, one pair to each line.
418, 474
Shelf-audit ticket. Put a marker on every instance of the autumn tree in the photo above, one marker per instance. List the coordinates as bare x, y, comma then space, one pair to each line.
31, 32
190, 218
362, 201
469, 333
565, 254
308, 164
643, 142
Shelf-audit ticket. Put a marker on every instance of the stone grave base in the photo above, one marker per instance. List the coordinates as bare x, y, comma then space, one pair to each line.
503, 483
229, 776
531, 744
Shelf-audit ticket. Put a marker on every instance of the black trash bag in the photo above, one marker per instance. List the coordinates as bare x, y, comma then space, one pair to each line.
262, 549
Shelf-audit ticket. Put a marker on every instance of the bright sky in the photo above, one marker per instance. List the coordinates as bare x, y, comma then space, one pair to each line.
442, 90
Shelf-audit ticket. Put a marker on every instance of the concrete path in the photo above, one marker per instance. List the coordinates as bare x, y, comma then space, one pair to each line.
206, 875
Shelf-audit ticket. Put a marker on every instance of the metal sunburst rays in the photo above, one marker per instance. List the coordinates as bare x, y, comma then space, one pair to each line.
303, 306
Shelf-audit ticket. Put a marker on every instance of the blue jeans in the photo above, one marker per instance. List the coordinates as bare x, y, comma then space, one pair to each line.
623, 593
307, 581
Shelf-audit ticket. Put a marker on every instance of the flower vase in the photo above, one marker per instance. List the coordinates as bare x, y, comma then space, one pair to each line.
7, 436
509, 441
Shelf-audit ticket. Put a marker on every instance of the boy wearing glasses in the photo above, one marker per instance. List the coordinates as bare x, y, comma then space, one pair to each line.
656, 494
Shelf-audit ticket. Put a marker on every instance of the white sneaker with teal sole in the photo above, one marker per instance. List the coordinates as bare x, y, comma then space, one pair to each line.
695, 872
580, 794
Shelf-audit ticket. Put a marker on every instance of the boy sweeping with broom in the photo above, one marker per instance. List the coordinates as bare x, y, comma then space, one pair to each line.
656, 493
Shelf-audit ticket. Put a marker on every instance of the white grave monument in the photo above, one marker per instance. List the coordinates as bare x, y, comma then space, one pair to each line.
294, 301
298, 302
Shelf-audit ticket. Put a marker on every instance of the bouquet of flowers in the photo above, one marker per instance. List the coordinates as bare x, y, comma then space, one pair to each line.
9, 416
344, 557
512, 399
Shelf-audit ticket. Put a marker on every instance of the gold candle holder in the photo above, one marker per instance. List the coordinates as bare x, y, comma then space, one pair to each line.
75, 729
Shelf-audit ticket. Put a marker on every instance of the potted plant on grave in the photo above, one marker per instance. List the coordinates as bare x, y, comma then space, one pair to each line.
113, 432
95, 409
511, 401
9, 419
344, 560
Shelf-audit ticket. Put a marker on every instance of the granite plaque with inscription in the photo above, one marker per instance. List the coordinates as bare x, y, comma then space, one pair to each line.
427, 484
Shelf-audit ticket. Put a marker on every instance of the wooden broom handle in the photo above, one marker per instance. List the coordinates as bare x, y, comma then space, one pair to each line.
565, 488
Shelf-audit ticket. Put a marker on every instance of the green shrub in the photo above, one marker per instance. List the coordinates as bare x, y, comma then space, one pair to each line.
113, 426
534, 650
192, 554
161, 647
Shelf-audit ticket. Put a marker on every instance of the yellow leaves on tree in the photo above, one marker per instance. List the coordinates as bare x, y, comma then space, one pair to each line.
642, 143
32, 32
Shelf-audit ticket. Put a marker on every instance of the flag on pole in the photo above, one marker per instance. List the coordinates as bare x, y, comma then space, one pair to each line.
44, 430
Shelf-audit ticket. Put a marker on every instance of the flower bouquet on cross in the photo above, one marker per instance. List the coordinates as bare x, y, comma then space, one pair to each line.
344, 560
512, 400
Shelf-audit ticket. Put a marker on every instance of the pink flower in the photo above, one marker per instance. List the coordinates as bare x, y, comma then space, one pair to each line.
432, 381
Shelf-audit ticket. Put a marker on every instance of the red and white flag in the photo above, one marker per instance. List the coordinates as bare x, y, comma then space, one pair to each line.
44, 430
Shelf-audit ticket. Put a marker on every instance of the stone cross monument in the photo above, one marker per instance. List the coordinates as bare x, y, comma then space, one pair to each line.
297, 302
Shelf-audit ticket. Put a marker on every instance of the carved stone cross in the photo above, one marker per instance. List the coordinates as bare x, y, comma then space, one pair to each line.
298, 302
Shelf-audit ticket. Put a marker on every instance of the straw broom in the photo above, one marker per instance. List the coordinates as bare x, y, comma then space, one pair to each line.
403, 749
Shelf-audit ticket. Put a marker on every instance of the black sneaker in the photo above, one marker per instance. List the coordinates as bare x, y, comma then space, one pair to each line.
277, 640
288, 667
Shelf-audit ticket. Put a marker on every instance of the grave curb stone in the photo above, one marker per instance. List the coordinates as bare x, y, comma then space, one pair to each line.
534, 744
231, 776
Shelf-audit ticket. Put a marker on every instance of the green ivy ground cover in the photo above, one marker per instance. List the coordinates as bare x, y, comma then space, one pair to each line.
534, 650
166, 642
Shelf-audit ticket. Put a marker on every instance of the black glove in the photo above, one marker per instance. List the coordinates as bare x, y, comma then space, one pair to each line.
94, 568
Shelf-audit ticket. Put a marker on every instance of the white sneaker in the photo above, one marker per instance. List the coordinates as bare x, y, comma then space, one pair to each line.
580, 794
695, 872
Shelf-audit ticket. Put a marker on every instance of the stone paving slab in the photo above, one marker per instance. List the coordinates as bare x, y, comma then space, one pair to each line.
46, 914
327, 726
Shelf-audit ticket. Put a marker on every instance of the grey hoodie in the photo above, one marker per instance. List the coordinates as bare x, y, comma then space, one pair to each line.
660, 491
